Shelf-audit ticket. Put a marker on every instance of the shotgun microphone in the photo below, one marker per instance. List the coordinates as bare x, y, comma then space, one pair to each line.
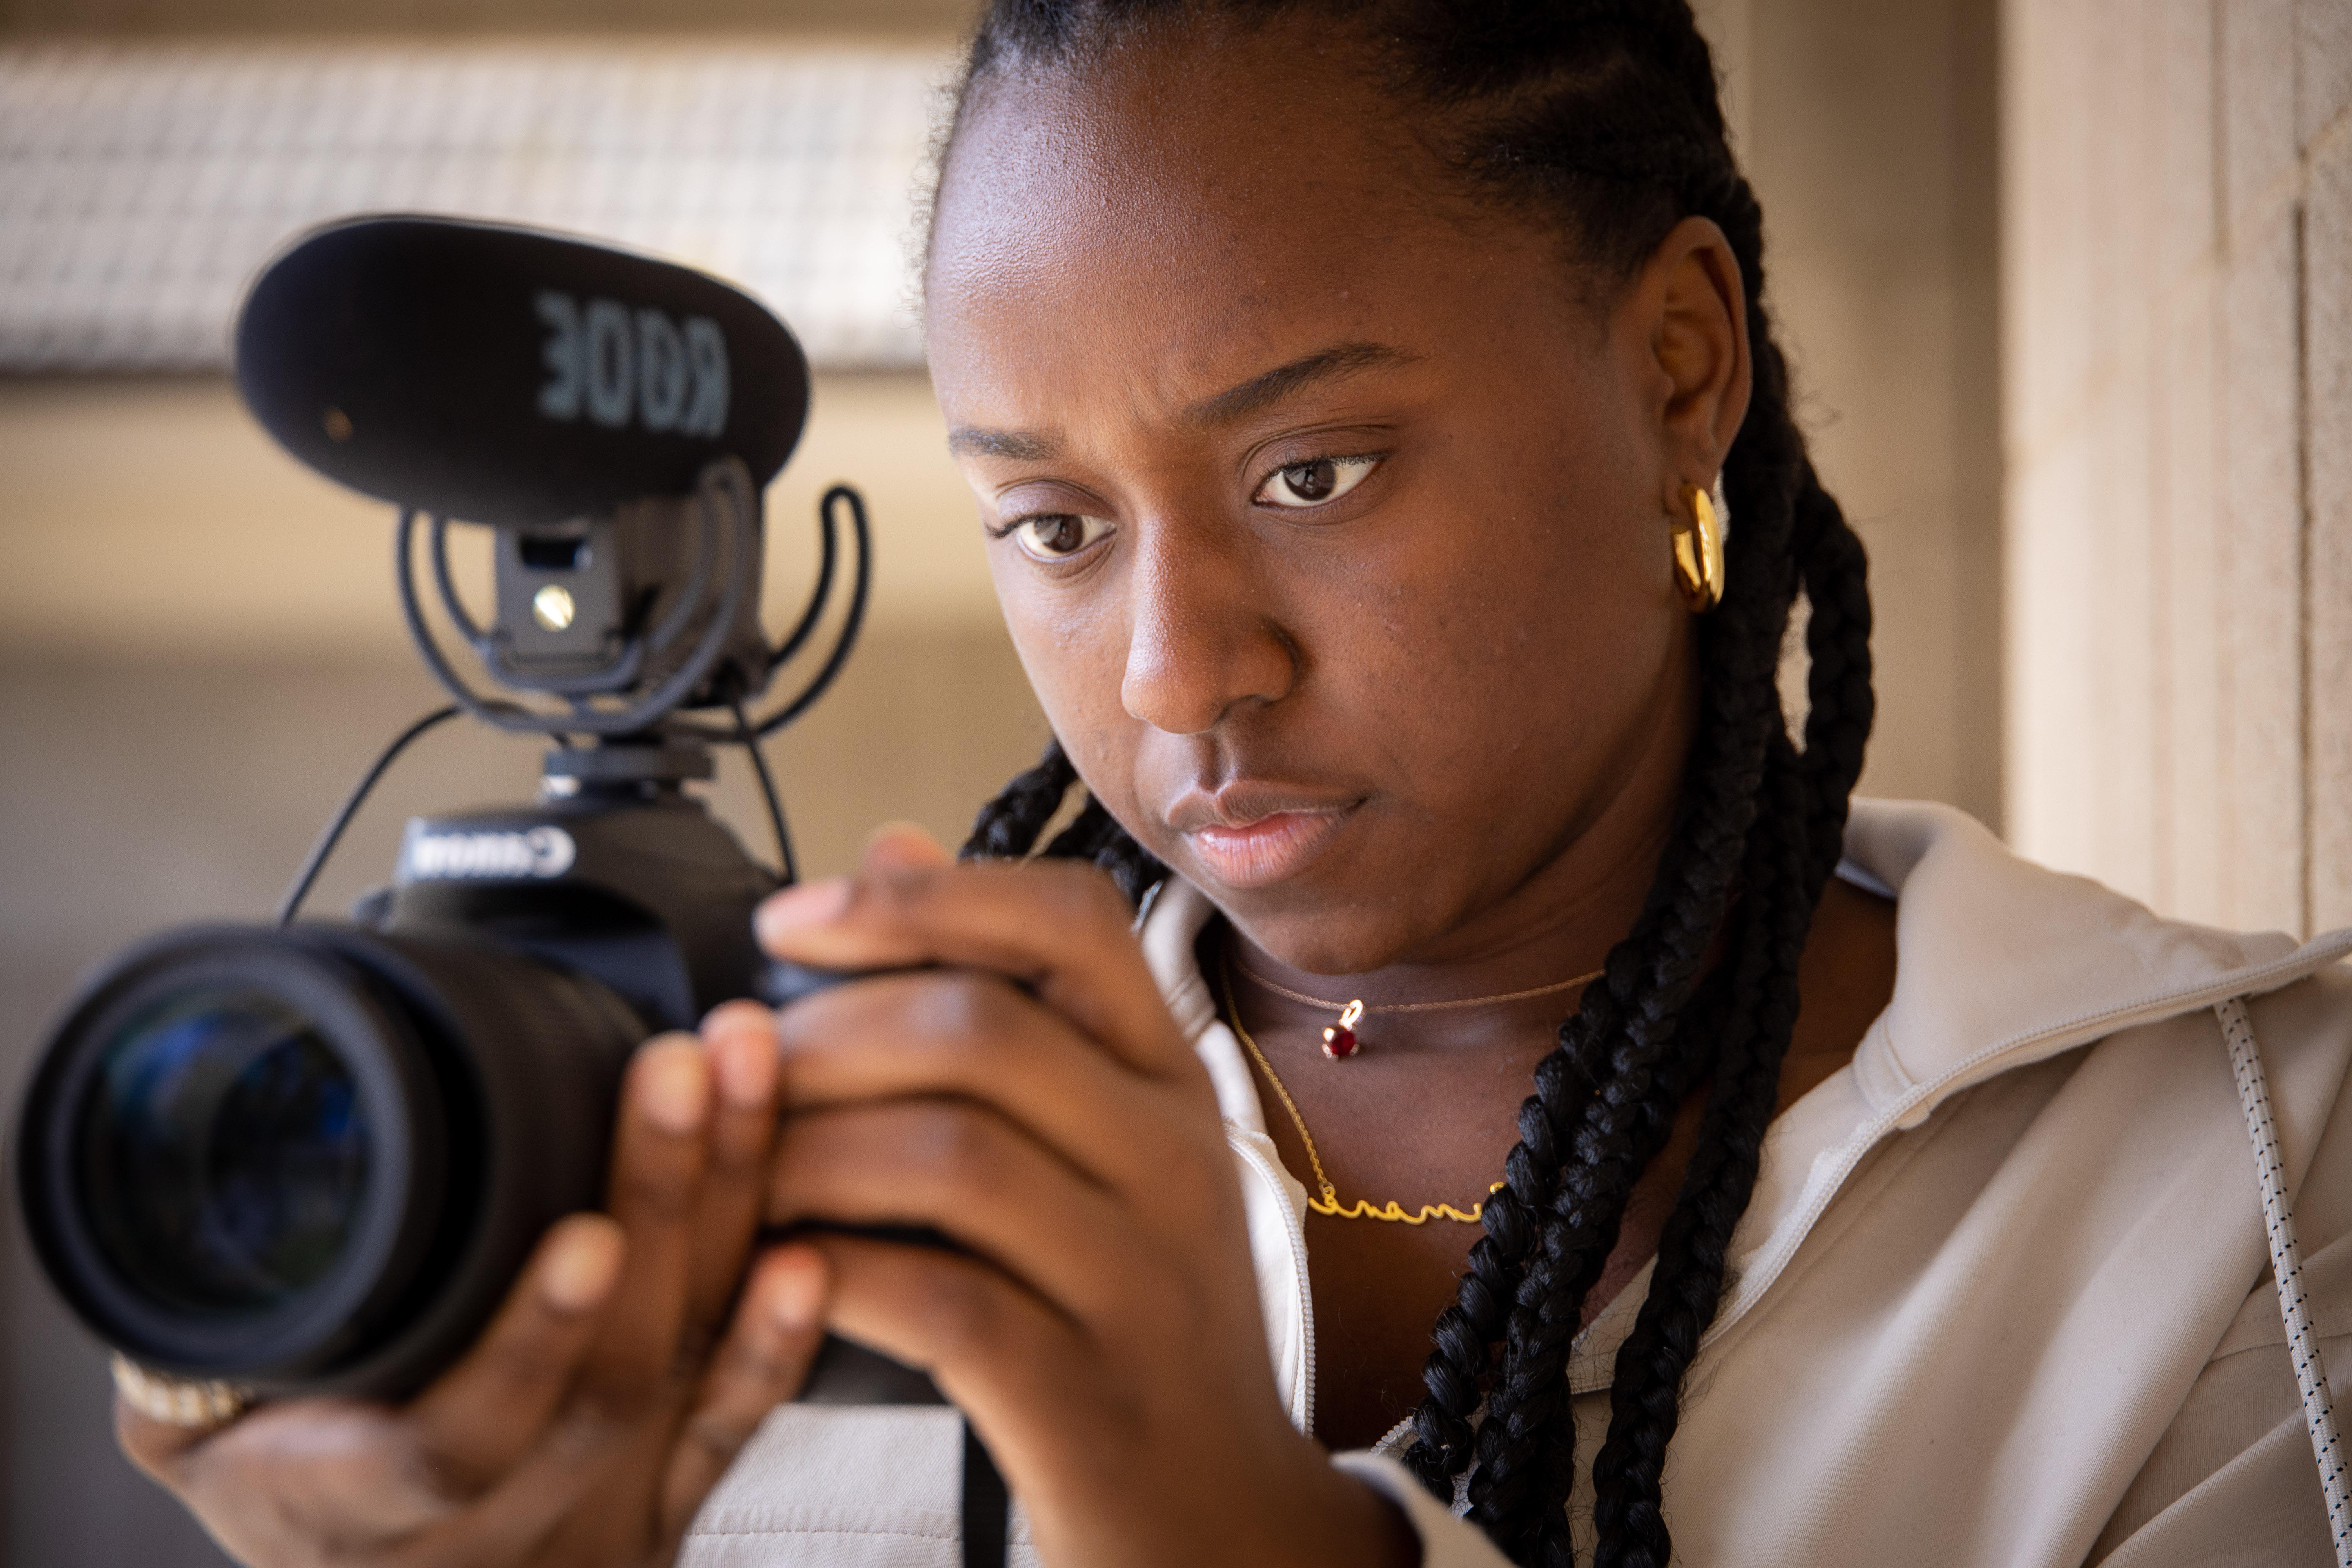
507, 377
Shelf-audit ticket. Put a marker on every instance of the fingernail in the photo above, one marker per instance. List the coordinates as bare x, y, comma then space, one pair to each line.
797, 1300
673, 1087
741, 1012
904, 842
743, 1059
582, 1267
810, 904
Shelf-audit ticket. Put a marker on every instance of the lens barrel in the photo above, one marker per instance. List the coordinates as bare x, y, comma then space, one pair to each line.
313, 1159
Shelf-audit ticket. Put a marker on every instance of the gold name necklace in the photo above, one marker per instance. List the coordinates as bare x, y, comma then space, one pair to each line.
1328, 1202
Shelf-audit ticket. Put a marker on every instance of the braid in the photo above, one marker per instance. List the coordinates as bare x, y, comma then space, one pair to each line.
1795, 847
1687, 1279
1626, 1118
1603, 112
1787, 869
1008, 827
1095, 837
1837, 645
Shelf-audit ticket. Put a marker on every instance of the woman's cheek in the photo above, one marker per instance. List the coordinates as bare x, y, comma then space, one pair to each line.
1063, 638
1073, 649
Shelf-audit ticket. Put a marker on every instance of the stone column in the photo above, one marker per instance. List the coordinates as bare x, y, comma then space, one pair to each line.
2177, 380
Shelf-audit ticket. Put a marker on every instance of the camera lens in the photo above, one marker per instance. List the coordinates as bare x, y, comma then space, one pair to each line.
222, 1151
313, 1159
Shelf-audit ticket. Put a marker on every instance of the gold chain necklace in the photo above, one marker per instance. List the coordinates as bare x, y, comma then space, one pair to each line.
1328, 1203
1340, 1041
1260, 980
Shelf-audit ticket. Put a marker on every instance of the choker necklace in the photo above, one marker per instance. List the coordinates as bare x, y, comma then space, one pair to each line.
1329, 1202
1340, 1041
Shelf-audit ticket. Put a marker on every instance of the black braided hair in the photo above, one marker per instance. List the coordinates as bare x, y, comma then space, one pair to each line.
1008, 827
1603, 114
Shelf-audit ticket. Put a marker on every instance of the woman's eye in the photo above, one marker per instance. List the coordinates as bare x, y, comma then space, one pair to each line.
1316, 482
1057, 536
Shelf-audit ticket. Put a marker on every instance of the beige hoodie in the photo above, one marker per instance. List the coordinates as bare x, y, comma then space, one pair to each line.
2003, 1295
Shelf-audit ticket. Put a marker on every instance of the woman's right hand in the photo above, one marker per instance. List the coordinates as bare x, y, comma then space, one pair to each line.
603, 1401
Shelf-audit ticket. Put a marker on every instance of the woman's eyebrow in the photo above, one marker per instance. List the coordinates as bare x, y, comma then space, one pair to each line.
1260, 391
1268, 387
1020, 445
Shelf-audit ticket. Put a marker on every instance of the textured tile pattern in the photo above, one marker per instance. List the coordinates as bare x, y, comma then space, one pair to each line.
2177, 444
141, 186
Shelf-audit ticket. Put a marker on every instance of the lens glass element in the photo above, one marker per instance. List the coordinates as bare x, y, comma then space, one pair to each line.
223, 1151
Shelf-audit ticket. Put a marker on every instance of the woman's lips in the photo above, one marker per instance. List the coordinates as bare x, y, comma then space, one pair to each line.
1266, 849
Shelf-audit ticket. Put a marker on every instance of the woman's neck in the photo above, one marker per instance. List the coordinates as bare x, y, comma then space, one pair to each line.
1558, 923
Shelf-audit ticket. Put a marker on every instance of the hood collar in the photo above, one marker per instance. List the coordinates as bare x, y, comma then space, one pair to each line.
1976, 991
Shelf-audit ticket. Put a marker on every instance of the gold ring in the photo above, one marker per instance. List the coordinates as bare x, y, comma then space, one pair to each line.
196, 1405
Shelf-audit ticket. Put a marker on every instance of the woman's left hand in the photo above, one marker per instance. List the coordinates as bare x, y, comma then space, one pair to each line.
1030, 1097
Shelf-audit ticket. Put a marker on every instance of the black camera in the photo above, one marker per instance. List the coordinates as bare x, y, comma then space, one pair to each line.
313, 1156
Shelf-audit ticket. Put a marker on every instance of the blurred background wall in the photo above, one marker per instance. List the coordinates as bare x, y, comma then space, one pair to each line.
2178, 212
198, 643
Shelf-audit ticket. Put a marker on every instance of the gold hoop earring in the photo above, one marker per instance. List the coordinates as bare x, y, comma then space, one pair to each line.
1699, 553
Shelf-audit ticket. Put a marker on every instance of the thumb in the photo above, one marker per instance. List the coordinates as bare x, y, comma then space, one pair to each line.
903, 846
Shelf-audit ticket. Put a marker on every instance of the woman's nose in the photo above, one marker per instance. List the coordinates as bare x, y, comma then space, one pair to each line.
1202, 634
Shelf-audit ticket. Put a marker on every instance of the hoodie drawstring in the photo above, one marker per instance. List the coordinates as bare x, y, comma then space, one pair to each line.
2286, 1268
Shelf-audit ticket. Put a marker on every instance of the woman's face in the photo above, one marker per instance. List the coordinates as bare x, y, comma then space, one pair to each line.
1330, 515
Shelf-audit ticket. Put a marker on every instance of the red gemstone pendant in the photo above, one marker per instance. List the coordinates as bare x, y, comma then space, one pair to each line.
1340, 1041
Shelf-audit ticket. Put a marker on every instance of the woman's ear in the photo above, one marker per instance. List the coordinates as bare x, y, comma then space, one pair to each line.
1690, 319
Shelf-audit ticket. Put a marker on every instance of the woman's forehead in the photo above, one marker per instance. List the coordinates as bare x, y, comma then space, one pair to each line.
1206, 164
1180, 217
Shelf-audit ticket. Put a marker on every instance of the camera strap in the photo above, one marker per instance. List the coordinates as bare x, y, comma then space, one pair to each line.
987, 1509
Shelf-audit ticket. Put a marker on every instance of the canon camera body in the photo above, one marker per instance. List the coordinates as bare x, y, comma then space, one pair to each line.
314, 1158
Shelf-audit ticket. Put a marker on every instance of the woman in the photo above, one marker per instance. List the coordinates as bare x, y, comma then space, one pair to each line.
1344, 388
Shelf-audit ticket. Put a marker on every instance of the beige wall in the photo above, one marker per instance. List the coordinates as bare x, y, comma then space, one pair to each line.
1870, 140
2177, 198
1868, 132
